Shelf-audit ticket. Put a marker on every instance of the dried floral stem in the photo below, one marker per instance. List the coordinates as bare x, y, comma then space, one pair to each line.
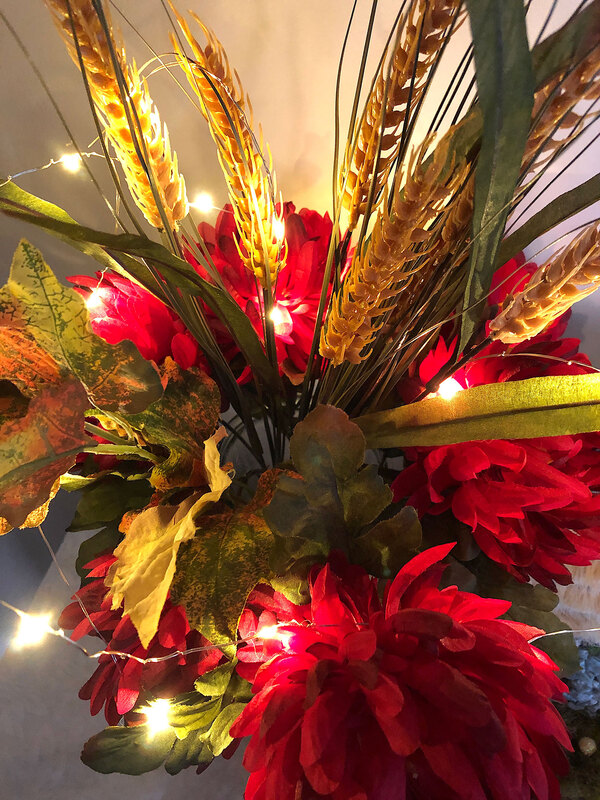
249, 178
566, 278
384, 267
84, 35
369, 162
554, 109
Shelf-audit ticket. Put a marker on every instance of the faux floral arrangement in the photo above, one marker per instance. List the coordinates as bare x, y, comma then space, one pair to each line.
326, 453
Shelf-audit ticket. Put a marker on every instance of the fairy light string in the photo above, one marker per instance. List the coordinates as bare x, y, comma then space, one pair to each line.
39, 626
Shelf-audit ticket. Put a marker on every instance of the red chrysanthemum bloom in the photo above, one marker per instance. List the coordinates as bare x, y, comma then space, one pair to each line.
119, 684
530, 504
120, 309
426, 696
298, 289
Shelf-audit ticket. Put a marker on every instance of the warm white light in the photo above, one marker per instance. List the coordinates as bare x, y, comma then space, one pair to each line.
203, 202
275, 633
276, 316
278, 229
32, 629
94, 300
157, 716
71, 162
448, 388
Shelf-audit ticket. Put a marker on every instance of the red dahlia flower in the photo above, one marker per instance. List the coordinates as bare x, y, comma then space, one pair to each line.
298, 289
119, 684
120, 309
426, 696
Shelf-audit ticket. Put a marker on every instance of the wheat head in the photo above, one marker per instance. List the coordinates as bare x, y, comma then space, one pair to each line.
227, 110
396, 251
569, 276
555, 111
104, 87
415, 53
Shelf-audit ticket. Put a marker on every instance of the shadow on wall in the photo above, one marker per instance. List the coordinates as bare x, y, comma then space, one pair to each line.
24, 560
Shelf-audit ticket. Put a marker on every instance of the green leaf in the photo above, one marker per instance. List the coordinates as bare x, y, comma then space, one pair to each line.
364, 496
505, 85
217, 570
174, 269
115, 376
330, 428
215, 682
219, 738
103, 541
108, 500
38, 447
14, 200
559, 209
181, 420
328, 503
199, 730
130, 751
193, 751
387, 546
547, 406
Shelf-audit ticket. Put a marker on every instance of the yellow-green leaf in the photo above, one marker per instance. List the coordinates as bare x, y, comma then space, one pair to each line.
217, 570
115, 376
180, 420
548, 406
142, 574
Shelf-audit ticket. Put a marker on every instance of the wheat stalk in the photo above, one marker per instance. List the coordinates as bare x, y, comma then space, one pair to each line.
554, 109
566, 278
396, 251
416, 51
82, 28
251, 184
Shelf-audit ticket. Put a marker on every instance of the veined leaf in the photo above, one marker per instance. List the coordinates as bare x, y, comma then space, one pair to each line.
115, 376
559, 209
142, 574
199, 731
328, 504
36, 449
31, 209
217, 570
505, 85
24, 363
108, 499
548, 406
181, 420
130, 751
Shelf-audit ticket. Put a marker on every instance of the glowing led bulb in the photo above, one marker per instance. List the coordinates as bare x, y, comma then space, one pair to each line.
448, 388
278, 229
157, 716
71, 162
276, 316
94, 300
275, 633
32, 629
203, 202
